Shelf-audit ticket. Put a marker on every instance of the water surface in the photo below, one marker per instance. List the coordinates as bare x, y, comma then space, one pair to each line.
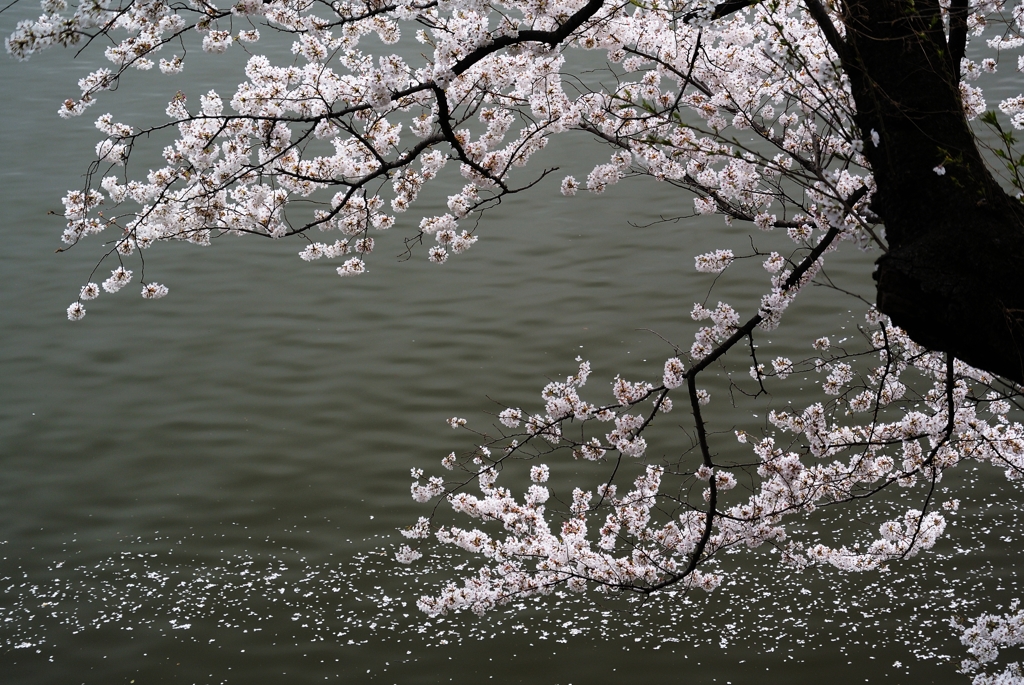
206, 489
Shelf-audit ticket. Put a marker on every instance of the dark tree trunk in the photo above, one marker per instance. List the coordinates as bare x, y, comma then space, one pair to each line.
954, 274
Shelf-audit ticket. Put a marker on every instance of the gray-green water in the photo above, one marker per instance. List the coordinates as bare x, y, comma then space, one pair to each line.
206, 489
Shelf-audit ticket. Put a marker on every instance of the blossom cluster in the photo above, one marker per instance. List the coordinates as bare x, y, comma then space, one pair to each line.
985, 637
359, 135
925, 415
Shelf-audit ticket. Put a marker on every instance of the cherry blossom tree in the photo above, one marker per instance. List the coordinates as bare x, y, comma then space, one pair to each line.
842, 126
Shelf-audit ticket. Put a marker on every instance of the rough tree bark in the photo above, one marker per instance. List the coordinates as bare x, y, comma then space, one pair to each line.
953, 277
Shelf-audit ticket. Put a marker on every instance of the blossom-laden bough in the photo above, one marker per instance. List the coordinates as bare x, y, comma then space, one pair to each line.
833, 123
898, 424
988, 634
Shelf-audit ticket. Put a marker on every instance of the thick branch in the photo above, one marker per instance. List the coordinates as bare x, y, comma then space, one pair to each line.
824, 22
723, 9
957, 34
952, 276
551, 38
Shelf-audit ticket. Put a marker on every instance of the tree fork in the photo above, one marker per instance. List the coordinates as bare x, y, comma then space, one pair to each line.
953, 277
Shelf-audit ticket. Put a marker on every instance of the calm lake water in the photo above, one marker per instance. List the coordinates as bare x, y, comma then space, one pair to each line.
206, 489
